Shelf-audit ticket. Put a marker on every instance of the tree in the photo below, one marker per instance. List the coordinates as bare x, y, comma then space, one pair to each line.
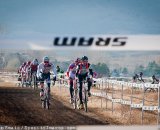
115, 73
125, 71
139, 69
152, 68
101, 68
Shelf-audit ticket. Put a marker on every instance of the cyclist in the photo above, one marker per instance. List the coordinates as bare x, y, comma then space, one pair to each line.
140, 77
58, 69
20, 71
155, 80
71, 73
135, 77
43, 72
23, 73
28, 72
34, 66
82, 73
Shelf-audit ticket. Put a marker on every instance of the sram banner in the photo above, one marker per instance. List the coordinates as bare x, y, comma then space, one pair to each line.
105, 42
97, 41
93, 42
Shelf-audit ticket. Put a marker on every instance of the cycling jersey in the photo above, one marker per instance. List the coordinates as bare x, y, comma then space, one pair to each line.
20, 69
45, 69
83, 68
72, 70
34, 66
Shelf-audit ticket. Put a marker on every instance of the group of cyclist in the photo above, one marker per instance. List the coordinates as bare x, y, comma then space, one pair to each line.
139, 78
78, 70
27, 69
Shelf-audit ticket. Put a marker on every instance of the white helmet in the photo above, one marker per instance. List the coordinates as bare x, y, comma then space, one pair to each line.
46, 59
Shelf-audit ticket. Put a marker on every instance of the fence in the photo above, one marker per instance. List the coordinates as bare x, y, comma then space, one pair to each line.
118, 89
114, 91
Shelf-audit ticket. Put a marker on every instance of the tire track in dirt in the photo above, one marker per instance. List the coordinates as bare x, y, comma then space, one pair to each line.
21, 106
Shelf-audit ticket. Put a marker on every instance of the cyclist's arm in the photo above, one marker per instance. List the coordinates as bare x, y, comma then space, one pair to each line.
54, 70
88, 68
77, 70
38, 70
68, 71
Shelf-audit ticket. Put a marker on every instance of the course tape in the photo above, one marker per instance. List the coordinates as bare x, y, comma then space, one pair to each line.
150, 108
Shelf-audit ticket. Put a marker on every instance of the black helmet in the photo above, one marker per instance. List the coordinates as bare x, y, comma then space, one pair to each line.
90, 69
153, 76
141, 73
84, 58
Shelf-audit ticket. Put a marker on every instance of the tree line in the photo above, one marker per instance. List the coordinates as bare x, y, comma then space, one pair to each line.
152, 68
14, 60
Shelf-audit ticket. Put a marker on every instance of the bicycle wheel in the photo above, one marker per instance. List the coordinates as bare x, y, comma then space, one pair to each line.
85, 100
75, 99
47, 96
34, 82
43, 104
47, 103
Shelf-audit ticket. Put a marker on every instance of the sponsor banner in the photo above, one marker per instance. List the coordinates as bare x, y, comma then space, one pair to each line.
94, 42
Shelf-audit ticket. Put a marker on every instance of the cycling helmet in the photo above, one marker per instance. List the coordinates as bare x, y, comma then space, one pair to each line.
46, 59
29, 62
141, 73
90, 69
24, 63
35, 61
78, 60
153, 76
136, 75
84, 58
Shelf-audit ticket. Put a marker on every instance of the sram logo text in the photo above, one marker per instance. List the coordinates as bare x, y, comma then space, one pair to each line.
91, 41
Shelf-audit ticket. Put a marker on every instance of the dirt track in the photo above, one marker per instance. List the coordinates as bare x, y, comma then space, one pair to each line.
21, 106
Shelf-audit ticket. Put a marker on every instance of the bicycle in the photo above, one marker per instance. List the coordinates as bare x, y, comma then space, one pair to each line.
46, 96
85, 95
34, 80
23, 79
29, 78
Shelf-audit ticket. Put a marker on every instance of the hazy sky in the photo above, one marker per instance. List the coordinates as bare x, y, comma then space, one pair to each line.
23, 21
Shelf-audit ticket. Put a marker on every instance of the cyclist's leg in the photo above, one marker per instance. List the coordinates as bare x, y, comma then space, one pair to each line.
71, 87
48, 84
26, 73
31, 76
42, 85
89, 87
